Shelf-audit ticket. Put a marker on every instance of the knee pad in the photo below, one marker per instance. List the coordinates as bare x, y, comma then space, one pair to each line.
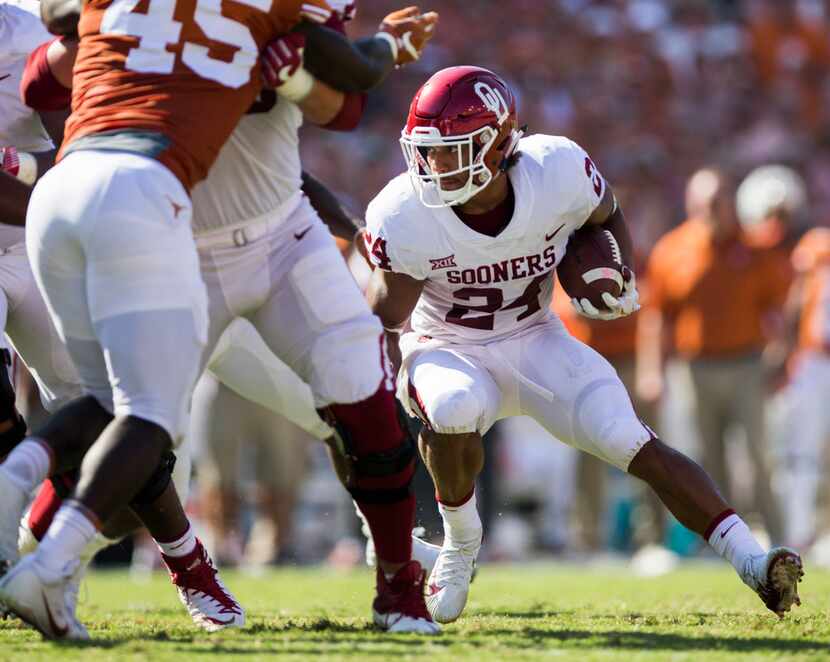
378, 445
456, 412
158, 482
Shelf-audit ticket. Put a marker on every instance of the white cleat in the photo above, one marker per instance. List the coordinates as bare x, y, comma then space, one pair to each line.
13, 502
449, 582
38, 597
774, 576
209, 603
399, 603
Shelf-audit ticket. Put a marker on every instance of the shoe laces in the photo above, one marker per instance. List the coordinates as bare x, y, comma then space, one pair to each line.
455, 565
201, 578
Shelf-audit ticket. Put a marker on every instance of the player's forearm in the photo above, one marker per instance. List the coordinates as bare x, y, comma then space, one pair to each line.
392, 297
14, 199
348, 66
322, 104
341, 223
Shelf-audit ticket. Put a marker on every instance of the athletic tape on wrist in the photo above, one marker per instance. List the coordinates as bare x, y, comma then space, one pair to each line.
392, 41
27, 170
298, 87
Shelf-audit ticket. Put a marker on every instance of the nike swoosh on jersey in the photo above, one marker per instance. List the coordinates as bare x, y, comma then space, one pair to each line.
550, 236
5, 77
300, 235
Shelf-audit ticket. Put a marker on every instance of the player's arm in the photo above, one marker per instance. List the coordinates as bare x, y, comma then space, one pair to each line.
609, 214
61, 16
14, 198
361, 65
340, 221
321, 104
392, 297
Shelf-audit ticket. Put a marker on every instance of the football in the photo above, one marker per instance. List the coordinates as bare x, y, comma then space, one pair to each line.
591, 266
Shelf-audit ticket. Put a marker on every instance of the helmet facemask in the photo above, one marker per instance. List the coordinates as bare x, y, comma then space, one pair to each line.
471, 148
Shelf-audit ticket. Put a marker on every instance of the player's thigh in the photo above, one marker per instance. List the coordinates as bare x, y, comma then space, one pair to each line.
244, 363
36, 341
152, 359
451, 393
55, 219
318, 322
574, 392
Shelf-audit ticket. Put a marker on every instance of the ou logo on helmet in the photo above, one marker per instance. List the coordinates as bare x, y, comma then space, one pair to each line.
493, 100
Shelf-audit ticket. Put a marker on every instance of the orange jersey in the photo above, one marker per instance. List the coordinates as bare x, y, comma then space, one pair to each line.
614, 339
811, 259
717, 295
170, 79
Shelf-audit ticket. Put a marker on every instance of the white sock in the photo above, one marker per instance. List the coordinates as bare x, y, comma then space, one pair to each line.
67, 538
461, 523
734, 542
28, 465
181, 546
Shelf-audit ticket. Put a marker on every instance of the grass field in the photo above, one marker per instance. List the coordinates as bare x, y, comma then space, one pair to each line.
701, 612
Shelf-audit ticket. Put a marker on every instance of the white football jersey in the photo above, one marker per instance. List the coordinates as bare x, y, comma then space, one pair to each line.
258, 168
480, 288
21, 31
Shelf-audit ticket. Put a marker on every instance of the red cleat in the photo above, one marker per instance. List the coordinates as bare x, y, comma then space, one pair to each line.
209, 603
399, 605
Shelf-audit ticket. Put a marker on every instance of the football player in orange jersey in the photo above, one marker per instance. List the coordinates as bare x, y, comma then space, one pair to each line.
153, 140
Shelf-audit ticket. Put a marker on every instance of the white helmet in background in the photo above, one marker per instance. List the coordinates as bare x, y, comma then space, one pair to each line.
769, 190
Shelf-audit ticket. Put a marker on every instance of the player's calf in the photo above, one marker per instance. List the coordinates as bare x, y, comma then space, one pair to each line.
689, 493
381, 458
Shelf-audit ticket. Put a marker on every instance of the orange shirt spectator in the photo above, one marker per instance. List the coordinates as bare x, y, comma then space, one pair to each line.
716, 294
811, 261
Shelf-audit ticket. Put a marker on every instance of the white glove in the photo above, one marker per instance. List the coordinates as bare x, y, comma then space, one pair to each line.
627, 303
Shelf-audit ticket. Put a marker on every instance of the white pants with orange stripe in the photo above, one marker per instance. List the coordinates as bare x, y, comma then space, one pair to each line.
543, 372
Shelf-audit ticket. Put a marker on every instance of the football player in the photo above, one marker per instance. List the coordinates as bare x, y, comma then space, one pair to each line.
36, 341
387, 496
465, 244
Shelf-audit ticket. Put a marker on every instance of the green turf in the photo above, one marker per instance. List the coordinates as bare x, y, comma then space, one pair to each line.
515, 613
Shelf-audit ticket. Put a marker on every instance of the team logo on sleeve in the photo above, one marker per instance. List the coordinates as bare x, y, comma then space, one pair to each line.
443, 262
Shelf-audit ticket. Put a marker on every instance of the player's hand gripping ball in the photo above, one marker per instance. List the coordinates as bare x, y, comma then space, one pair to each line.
593, 275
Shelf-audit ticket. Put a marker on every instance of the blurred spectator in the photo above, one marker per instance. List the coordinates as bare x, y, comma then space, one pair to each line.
808, 421
231, 430
715, 296
652, 89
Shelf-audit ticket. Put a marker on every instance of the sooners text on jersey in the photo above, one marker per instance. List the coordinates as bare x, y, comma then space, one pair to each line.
477, 287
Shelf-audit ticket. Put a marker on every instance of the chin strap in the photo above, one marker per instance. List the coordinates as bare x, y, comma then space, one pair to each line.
515, 137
